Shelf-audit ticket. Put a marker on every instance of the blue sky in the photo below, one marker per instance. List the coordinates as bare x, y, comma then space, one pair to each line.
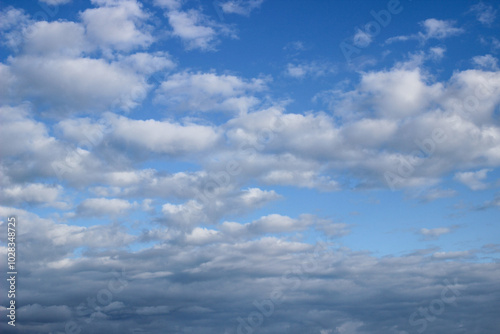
231, 134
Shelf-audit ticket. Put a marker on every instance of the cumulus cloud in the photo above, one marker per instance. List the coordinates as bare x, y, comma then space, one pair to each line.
94, 207
119, 24
31, 193
473, 180
188, 91
58, 38
194, 28
439, 29
99, 83
164, 137
214, 282
202, 248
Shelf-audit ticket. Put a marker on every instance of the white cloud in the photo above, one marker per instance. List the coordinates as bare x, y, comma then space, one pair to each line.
164, 137
452, 255
362, 39
95, 207
196, 30
485, 14
439, 29
55, 38
486, 62
201, 235
314, 69
169, 4
433, 29
437, 52
270, 224
435, 233
13, 25
148, 63
188, 91
76, 84
241, 7
31, 193
118, 24
397, 93
214, 202
55, 2
473, 180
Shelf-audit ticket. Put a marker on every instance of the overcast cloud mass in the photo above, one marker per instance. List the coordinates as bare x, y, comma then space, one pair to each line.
251, 166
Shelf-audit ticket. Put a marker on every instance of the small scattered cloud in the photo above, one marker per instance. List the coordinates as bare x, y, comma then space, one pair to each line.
437, 52
486, 62
485, 14
432, 29
473, 180
452, 255
362, 39
439, 29
240, 7
294, 46
494, 203
197, 30
437, 193
309, 69
434, 233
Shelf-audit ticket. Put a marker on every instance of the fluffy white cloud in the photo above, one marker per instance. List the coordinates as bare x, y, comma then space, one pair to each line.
209, 92
31, 193
397, 93
439, 29
196, 29
76, 84
212, 203
163, 136
55, 38
148, 63
473, 180
119, 24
